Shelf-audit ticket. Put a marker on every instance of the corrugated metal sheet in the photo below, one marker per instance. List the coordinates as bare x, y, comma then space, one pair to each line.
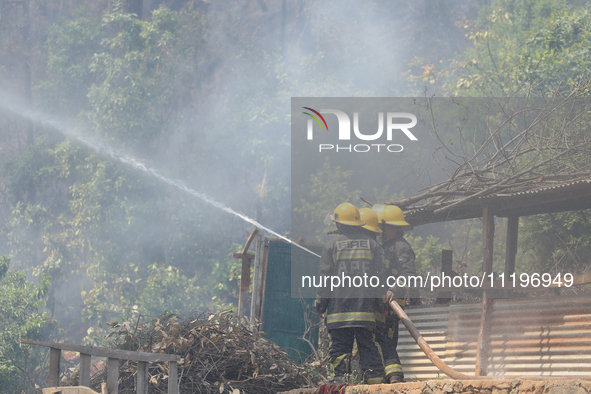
553, 193
543, 337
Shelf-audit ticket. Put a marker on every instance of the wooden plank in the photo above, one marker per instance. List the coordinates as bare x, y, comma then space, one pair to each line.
483, 344
581, 280
255, 306
488, 234
511, 247
264, 278
113, 375
243, 255
245, 275
55, 356
106, 352
244, 286
173, 385
250, 239
68, 390
447, 261
245, 272
142, 378
447, 269
84, 369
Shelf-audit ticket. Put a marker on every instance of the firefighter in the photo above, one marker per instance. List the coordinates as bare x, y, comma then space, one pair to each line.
348, 310
371, 227
400, 260
384, 317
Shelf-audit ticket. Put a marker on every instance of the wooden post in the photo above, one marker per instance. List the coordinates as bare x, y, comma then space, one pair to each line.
264, 279
84, 370
173, 384
55, 356
488, 236
255, 306
447, 268
113, 375
447, 257
244, 283
245, 272
142, 377
511, 247
483, 345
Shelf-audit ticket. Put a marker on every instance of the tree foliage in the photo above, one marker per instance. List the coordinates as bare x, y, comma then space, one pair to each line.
21, 308
533, 49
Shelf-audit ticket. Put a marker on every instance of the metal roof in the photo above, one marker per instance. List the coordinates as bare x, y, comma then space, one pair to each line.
543, 194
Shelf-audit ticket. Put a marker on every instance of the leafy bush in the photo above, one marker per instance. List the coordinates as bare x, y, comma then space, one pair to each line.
21, 302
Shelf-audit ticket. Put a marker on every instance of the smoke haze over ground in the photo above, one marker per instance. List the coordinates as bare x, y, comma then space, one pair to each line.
202, 91
222, 125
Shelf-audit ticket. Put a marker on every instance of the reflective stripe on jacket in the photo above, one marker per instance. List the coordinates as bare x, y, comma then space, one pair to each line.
351, 254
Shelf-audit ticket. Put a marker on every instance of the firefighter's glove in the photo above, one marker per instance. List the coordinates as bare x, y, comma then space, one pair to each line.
320, 307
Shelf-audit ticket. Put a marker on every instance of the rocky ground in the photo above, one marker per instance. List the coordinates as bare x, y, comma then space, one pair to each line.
514, 386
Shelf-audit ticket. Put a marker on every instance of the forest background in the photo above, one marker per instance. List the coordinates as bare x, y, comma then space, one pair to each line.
201, 90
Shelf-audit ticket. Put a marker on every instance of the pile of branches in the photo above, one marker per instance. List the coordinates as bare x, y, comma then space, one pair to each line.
507, 145
220, 353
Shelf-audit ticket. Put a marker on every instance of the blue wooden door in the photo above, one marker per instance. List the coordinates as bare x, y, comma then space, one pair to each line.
283, 315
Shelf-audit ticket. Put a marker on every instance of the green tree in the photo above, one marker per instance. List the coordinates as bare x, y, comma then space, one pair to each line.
328, 187
21, 305
520, 47
126, 80
535, 49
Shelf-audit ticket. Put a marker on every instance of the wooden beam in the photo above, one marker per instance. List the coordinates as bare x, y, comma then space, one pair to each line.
578, 280
255, 306
113, 375
511, 247
106, 352
55, 356
447, 268
488, 236
245, 271
173, 374
483, 345
568, 198
84, 372
68, 390
248, 256
250, 239
142, 377
244, 286
447, 257
264, 279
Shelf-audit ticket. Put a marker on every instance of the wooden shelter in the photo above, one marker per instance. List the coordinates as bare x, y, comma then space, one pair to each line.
510, 198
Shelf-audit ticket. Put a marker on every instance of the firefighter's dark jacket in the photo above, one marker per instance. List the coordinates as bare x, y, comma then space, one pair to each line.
352, 253
400, 260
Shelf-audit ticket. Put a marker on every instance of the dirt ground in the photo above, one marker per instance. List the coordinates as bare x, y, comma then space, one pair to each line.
513, 386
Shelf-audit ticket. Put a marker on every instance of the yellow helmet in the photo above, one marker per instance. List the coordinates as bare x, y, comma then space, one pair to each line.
370, 218
347, 213
390, 214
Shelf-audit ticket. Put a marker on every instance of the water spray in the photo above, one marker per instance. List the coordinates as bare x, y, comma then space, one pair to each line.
102, 147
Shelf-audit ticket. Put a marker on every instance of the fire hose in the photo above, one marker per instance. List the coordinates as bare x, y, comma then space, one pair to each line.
443, 367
